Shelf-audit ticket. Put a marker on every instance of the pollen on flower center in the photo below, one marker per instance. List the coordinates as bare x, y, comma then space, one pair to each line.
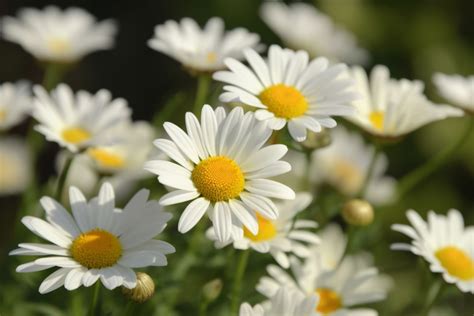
266, 230
329, 301
75, 135
346, 176
3, 115
218, 179
106, 158
284, 101
211, 57
96, 249
58, 45
457, 262
377, 119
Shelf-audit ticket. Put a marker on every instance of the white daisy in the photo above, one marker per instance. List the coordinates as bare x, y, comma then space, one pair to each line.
99, 241
78, 121
353, 281
456, 89
445, 243
58, 35
289, 88
279, 237
345, 163
15, 104
201, 49
302, 26
15, 165
285, 302
392, 108
221, 166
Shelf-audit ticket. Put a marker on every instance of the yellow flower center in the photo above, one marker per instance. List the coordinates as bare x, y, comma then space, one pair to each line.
75, 135
266, 230
457, 262
211, 57
346, 176
377, 119
3, 115
9, 172
284, 101
59, 45
218, 179
329, 301
96, 249
106, 158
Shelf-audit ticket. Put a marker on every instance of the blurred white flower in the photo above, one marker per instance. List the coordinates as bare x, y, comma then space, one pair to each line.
285, 302
15, 103
339, 285
456, 89
392, 108
279, 237
287, 87
58, 35
302, 26
99, 241
222, 167
445, 243
345, 163
15, 165
78, 121
201, 49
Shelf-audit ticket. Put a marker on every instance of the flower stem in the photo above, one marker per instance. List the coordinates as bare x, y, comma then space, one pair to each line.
432, 295
63, 176
408, 182
239, 273
203, 307
95, 305
370, 172
203, 83
53, 74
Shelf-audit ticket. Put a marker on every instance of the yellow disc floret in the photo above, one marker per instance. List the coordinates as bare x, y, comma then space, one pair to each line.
456, 262
218, 179
377, 119
59, 45
329, 301
96, 249
3, 115
75, 135
284, 101
266, 230
106, 158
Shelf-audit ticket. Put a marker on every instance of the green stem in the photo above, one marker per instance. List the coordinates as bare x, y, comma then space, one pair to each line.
63, 176
433, 294
239, 273
370, 172
203, 83
95, 305
408, 182
53, 74
203, 307
129, 308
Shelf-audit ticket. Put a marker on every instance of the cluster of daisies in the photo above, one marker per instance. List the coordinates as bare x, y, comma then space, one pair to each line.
226, 164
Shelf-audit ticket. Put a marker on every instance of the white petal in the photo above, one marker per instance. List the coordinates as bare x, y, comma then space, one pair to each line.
192, 214
270, 188
54, 281
222, 221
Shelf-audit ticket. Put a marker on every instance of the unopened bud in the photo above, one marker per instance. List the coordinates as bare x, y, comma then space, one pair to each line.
143, 291
317, 140
358, 212
212, 289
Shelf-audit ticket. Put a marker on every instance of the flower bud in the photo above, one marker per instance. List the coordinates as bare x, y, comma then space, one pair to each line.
358, 212
143, 291
317, 140
212, 289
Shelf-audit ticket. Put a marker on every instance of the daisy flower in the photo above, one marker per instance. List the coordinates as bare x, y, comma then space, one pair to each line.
15, 104
456, 89
302, 26
15, 165
281, 236
285, 302
392, 108
78, 121
58, 35
345, 163
445, 243
352, 281
201, 49
222, 167
289, 88
98, 241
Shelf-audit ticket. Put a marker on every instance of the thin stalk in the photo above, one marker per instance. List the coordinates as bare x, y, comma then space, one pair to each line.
63, 176
203, 307
370, 172
53, 74
203, 83
95, 305
129, 308
239, 273
408, 182
432, 295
